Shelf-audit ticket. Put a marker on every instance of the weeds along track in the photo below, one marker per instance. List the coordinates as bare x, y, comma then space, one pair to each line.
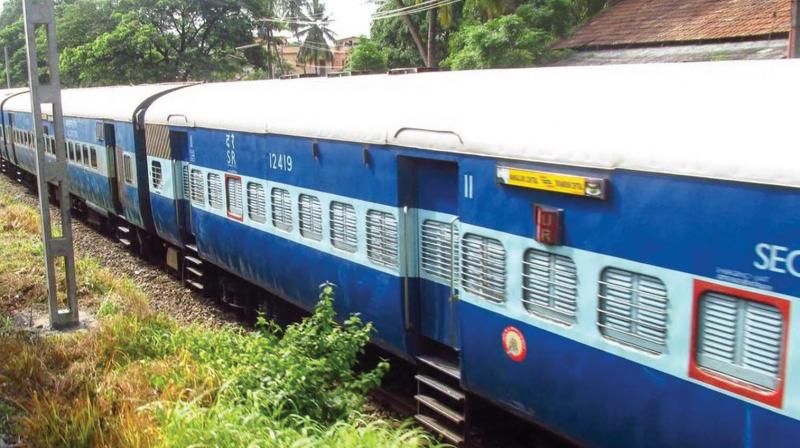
166, 294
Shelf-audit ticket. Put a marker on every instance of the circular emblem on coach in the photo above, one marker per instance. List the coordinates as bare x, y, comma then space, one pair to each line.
514, 344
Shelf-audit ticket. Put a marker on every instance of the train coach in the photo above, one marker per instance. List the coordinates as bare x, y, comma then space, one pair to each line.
609, 252
105, 151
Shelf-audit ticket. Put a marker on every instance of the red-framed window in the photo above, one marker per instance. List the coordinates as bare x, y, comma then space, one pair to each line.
739, 341
234, 196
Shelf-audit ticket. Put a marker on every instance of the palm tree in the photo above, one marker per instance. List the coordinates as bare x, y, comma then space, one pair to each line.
315, 34
443, 16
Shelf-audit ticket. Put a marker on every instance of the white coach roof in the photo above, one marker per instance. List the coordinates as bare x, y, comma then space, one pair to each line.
112, 103
5, 93
725, 120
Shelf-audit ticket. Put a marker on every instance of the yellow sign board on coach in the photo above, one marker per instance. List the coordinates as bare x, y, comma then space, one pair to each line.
555, 182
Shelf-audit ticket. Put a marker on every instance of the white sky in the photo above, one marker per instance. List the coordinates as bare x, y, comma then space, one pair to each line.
350, 17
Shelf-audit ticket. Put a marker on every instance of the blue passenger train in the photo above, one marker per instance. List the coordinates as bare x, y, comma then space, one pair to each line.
609, 252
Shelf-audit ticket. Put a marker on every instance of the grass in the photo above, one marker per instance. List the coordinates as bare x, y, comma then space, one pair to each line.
141, 379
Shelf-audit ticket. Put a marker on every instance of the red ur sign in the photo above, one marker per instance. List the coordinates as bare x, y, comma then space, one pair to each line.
548, 225
514, 344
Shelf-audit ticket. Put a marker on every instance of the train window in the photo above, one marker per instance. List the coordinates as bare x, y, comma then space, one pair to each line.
632, 309
439, 249
256, 202
156, 176
127, 168
382, 238
99, 131
71, 151
483, 267
310, 214
187, 186
281, 209
86, 155
343, 226
740, 338
233, 189
215, 191
94, 158
197, 188
550, 286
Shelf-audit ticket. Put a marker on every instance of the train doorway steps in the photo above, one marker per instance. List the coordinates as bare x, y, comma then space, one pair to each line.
441, 402
193, 272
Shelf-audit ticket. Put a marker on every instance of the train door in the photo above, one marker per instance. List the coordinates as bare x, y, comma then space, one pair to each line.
11, 142
430, 201
179, 147
109, 138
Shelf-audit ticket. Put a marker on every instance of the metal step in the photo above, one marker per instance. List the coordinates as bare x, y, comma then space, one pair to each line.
195, 261
441, 365
191, 247
196, 285
126, 242
194, 271
440, 387
440, 408
432, 425
124, 229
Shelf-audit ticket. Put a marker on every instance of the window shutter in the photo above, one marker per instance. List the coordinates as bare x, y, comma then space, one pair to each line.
256, 202
343, 226
382, 238
550, 285
310, 211
483, 267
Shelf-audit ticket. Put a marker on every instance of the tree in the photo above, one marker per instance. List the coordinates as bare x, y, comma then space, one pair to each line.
367, 56
154, 40
515, 40
393, 37
315, 35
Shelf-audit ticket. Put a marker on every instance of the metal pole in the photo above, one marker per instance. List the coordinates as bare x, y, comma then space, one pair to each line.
48, 172
794, 39
5, 66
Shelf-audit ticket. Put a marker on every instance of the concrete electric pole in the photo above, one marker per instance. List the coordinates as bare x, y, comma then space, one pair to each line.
58, 249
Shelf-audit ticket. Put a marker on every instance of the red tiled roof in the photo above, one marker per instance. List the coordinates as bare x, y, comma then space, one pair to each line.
631, 22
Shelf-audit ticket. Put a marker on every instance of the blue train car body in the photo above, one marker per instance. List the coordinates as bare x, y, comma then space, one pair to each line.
618, 264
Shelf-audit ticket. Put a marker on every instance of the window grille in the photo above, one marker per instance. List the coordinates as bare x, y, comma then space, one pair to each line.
197, 187
187, 187
382, 238
256, 202
310, 213
483, 267
550, 285
127, 169
281, 209
343, 226
437, 247
740, 338
94, 158
632, 309
233, 187
215, 191
156, 175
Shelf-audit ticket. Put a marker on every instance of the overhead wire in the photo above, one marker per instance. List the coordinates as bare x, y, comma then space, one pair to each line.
425, 6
